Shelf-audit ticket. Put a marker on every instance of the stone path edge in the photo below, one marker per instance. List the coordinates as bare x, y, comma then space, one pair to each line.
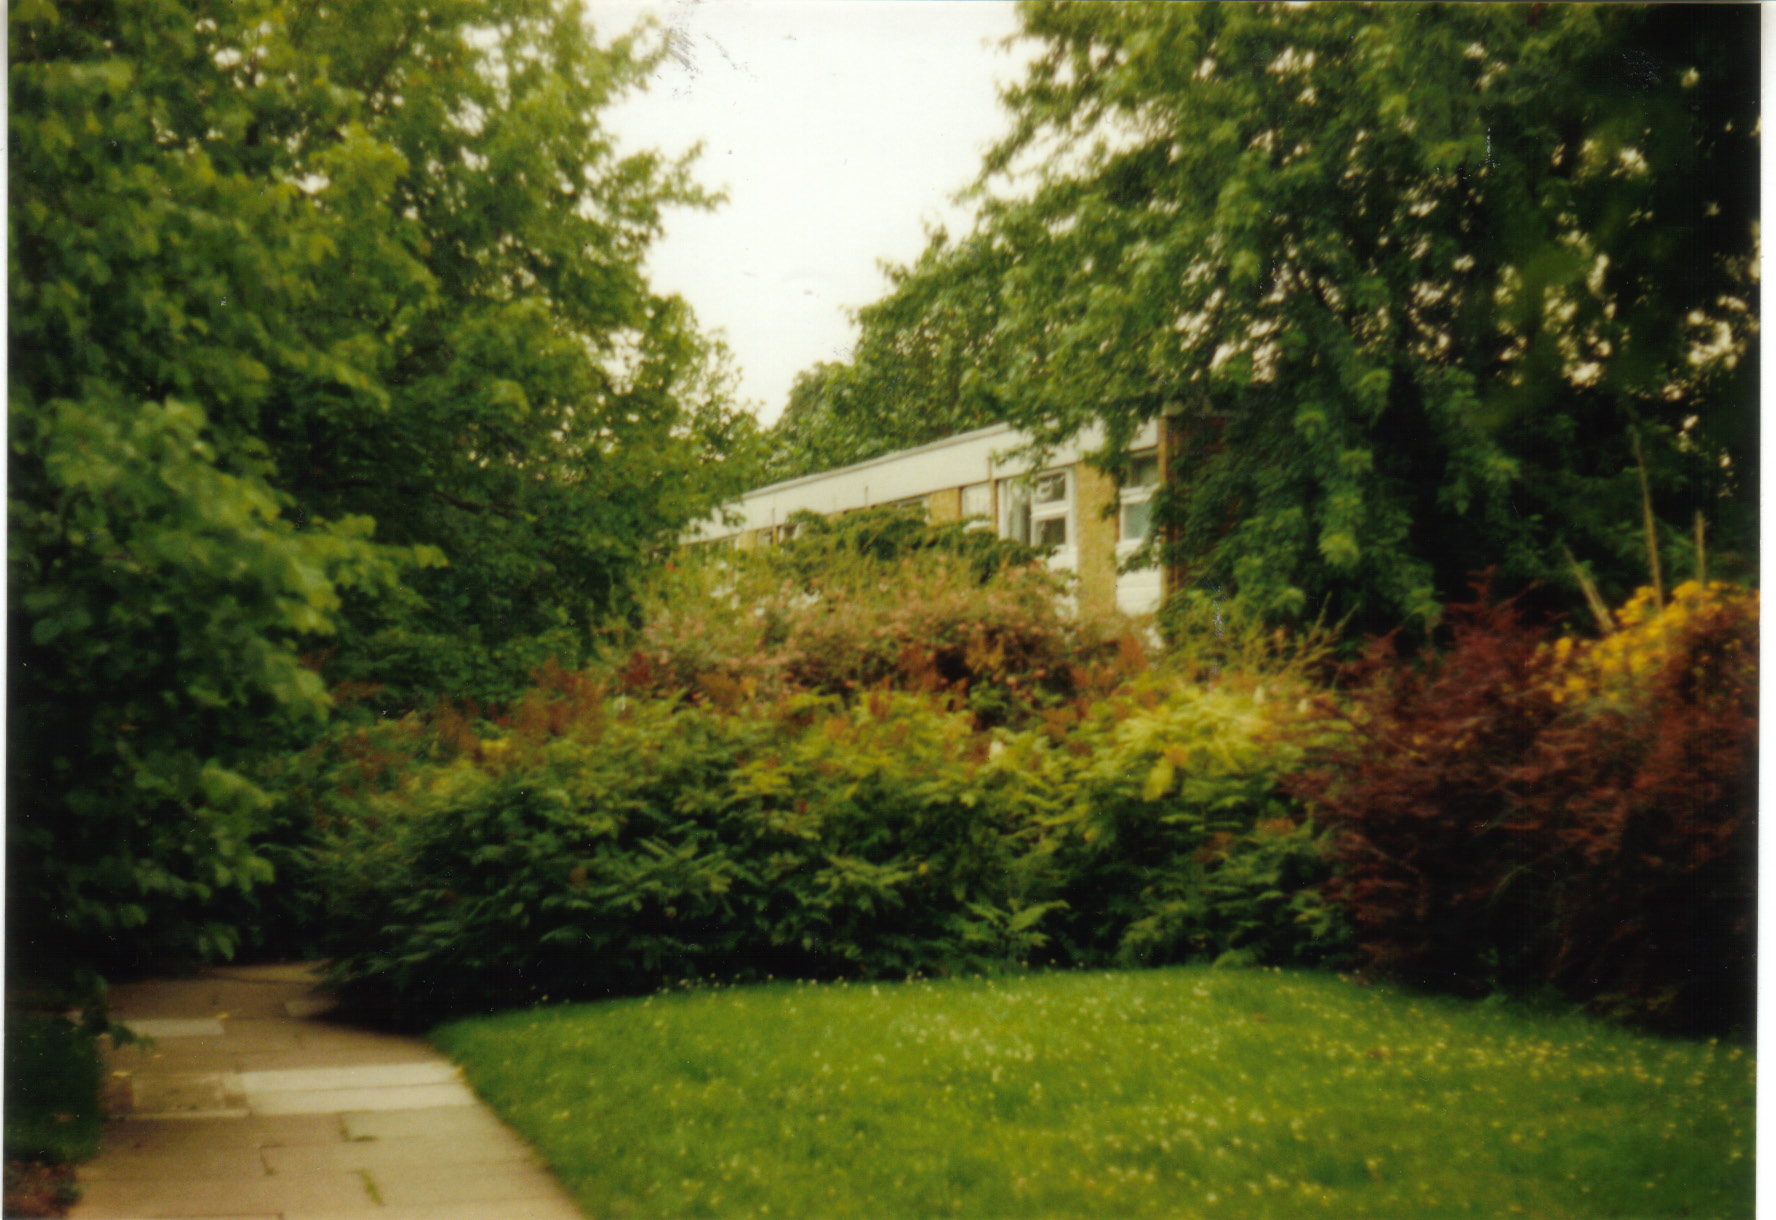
247, 1101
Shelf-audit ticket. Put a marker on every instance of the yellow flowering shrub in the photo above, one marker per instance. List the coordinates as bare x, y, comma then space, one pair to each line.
1645, 639
1513, 814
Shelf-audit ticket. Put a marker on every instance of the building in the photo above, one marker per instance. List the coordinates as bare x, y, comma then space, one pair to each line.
1092, 524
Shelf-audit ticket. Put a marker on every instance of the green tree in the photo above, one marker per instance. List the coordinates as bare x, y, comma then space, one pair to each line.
537, 412
925, 366
814, 432
285, 275
1411, 279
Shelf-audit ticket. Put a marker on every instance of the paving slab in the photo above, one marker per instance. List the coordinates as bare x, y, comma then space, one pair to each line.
308, 1080
175, 1027
177, 1139
402, 1154
189, 1055
227, 1161
300, 974
309, 1006
237, 1038
467, 1124
516, 1209
249, 1100
183, 1095
207, 996
488, 1184
333, 1101
194, 1196
331, 1055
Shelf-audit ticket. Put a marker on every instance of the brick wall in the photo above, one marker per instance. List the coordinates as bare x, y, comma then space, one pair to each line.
1095, 491
943, 507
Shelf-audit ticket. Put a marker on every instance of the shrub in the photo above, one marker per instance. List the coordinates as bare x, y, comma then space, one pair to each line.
53, 1075
1650, 782
1518, 814
583, 844
996, 637
890, 533
1180, 842
1415, 794
632, 843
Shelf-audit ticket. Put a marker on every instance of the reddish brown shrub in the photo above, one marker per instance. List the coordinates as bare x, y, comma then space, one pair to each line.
1494, 832
1652, 807
1417, 795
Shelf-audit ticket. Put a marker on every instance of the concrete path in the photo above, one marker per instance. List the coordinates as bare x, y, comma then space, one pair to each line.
248, 1103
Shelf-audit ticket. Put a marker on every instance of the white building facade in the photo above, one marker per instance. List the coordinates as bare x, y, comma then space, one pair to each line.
1092, 525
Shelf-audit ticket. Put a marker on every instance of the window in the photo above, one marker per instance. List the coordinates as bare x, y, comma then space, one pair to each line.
977, 502
1014, 511
1051, 506
1038, 511
1137, 498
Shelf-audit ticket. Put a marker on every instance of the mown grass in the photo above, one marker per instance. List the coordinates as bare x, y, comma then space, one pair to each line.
1180, 1092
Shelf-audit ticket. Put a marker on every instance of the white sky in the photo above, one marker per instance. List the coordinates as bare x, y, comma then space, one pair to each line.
836, 129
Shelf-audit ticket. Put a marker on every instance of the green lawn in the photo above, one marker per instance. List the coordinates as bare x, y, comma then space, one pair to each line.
1173, 1093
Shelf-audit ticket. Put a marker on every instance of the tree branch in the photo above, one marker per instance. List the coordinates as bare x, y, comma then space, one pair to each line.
407, 489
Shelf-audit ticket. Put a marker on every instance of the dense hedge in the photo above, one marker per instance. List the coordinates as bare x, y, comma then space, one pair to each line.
873, 601
776, 777
610, 844
1521, 813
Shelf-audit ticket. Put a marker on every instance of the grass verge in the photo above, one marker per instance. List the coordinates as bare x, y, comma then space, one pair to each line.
1180, 1092
53, 1112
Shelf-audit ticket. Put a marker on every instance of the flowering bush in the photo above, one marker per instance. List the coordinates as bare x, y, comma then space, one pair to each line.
1650, 783
1646, 638
1514, 813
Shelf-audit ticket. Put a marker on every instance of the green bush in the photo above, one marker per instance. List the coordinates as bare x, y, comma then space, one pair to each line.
637, 842
53, 1075
889, 533
876, 604
1178, 843
587, 845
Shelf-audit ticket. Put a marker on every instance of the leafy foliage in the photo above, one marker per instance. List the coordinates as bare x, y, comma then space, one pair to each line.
878, 598
1405, 280
585, 844
1494, 831
53, 1073
280, 272
924, 368
158, 584
1184, 844
1169, 840
654, 842
887, 533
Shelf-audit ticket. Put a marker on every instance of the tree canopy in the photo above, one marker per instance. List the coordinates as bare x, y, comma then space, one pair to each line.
925, 365
326, 321
1413, 283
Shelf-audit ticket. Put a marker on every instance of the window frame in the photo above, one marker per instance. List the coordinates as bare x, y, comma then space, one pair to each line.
1132, 494
1058, 509
982, 519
